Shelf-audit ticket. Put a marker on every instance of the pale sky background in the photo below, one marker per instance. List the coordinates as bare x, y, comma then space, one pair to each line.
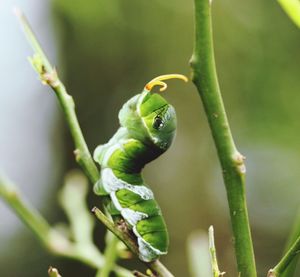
27, 114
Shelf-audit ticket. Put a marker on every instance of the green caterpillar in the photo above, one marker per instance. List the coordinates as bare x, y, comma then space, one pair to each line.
148, 126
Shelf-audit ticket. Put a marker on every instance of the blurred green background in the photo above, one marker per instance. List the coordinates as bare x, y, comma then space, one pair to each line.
106, 51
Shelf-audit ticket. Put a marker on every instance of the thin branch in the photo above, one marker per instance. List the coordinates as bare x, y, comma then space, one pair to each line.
295, 233
213, 254
32, 218
51, 239
280, 268
157, 268
123, 235
232, 162
139, 274
81, 222
49, 76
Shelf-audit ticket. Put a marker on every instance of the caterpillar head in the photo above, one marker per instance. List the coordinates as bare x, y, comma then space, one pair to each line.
149, 117
157, 115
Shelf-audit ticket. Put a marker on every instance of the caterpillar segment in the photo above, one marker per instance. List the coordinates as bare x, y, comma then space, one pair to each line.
147, 129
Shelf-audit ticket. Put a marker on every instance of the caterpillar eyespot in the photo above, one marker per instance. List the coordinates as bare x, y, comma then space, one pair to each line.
158, 123
147, 128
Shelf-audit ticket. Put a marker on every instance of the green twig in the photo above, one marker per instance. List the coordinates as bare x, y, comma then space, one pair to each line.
139, 274
232, 162
51, 239
295, 233
123, 235
49, 76
30, 216
213, 254
72, 199
157, 268
280, 268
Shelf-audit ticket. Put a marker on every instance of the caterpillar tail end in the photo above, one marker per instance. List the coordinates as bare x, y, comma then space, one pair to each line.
147, 253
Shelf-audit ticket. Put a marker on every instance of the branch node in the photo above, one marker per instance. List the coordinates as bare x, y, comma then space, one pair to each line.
206, 80
51, 79
239, 161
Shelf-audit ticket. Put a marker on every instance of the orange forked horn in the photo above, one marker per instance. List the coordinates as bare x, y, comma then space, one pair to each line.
158, 81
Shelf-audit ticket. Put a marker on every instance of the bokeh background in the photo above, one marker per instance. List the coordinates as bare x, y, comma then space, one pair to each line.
105, 52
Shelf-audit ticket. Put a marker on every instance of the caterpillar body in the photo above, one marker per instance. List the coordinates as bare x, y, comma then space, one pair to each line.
147, 128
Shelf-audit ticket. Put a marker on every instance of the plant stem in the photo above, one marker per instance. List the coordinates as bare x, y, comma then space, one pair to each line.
290, 270
213, 254
232, 162
110, 255
49, 76
280, 268
81, 221
31, 217
139, 274
157, 268
50, 238
121, 234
